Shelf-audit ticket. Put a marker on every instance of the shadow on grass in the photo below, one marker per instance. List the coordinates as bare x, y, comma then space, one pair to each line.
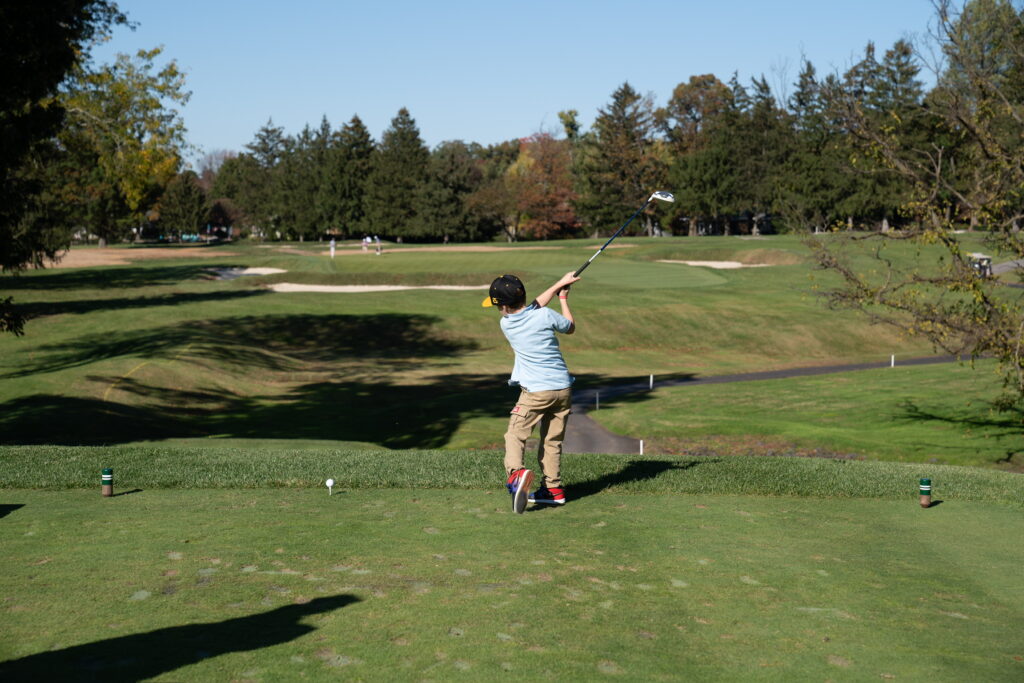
271, 342
396, 416
145, 655
8, 508
1001, 427
112, 277
635, 470
41, 309
391, 414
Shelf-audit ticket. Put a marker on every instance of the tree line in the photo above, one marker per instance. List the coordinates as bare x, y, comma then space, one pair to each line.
737, 158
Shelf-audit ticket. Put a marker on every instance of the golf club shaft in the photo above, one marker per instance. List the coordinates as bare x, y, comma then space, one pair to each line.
617, 233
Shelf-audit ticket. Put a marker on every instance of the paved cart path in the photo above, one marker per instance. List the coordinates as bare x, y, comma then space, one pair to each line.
584, 435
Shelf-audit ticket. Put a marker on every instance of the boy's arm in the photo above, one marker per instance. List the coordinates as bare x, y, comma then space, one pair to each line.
563, 298
549, 293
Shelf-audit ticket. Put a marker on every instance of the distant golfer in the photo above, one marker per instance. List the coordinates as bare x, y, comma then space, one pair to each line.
544, 380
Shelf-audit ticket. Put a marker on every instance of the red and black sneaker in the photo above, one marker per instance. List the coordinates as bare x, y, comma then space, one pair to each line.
546, 496
519, 486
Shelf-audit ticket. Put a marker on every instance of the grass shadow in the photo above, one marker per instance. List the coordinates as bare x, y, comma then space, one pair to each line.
1008, 426
8, 508
270, 342
393, 415
145, 655
112, 277
635, 470
375, 409
42, 309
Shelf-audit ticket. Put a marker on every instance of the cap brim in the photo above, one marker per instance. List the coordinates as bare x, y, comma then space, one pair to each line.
487, 302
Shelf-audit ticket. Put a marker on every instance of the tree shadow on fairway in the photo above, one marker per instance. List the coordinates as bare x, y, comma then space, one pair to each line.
112, 277
634, 471
145, 655
269, 342
8, 508
1003, 429
392, 414
45, 308
71, 421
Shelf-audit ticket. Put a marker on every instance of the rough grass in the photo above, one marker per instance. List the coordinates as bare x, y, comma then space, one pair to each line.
930, 414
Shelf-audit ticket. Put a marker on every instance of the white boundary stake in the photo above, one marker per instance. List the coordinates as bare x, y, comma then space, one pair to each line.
651, 387
892, 361
641, 446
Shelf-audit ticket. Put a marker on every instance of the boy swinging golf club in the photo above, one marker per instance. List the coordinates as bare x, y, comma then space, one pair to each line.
545, 398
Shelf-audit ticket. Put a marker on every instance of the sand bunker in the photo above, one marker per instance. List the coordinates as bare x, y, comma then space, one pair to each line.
358, 289
720, 265
232, 273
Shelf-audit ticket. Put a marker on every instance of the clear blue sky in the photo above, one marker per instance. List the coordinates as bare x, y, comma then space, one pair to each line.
482, 70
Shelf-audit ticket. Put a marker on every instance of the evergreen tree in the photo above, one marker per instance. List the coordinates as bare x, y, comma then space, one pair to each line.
40, 45
346, 171
811, 182
183, 205
493, 205
262, 203
442, 211
296, 186
237, 185
707, 168
397, 177
620, 163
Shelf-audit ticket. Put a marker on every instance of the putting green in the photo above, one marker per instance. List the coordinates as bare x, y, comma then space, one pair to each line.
637, 275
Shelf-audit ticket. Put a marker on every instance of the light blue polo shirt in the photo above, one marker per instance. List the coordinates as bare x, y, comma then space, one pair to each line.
539, 364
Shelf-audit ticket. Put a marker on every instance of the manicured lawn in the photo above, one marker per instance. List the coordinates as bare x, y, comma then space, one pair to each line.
410, 583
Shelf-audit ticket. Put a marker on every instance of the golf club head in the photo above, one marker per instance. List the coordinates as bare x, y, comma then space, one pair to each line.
663, 196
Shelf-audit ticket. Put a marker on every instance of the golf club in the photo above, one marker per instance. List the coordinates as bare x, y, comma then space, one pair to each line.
659, 195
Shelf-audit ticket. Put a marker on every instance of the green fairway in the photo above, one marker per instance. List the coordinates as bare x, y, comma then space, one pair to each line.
406, 583
159, 350
930, 414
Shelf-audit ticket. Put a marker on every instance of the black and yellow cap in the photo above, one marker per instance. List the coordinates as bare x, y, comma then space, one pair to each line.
507, 290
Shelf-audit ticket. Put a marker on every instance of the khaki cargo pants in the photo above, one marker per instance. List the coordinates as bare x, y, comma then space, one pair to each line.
550, 410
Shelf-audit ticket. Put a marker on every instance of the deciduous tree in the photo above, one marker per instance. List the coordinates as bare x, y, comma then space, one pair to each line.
969, 167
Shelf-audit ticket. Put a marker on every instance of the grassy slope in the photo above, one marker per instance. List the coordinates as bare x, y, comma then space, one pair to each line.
157, 351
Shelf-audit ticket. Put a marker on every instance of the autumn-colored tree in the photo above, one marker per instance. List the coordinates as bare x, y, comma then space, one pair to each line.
121, 131
542, 184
